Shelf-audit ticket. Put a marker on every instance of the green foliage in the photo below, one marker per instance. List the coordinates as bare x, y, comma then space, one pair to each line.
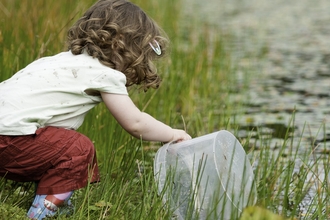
257, 213
8, 211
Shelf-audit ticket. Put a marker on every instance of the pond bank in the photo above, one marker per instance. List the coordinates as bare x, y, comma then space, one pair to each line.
283, 50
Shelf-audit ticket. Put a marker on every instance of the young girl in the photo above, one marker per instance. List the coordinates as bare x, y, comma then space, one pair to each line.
110, 48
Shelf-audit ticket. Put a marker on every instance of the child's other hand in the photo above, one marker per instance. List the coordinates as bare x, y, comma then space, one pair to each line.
180, 135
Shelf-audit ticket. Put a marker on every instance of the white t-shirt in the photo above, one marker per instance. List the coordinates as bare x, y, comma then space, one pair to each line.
55, 91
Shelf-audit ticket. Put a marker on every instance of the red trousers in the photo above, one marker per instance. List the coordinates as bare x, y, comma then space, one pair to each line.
59, 160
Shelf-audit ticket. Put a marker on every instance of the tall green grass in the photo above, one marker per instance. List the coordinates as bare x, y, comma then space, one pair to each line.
198, 79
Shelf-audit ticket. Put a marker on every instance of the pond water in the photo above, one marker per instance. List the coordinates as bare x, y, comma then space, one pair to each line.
282, 48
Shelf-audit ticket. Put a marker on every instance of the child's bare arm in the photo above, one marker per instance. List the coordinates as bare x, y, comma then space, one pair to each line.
140, 124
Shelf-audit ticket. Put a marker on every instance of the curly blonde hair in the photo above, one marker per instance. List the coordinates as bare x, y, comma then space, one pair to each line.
118, 33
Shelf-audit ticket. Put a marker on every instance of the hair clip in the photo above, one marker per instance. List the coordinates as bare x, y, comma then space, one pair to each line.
157, 49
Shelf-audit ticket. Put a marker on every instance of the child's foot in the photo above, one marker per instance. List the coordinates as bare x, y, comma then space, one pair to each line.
42, 208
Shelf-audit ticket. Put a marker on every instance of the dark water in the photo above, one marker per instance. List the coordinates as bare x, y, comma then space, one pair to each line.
282, 50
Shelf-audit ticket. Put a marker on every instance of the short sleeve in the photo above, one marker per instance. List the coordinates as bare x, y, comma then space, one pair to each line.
111, 81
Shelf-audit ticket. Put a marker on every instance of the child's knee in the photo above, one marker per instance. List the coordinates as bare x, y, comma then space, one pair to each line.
77, 159
87, 148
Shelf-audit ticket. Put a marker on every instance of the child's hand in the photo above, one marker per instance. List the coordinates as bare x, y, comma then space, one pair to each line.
180, 135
